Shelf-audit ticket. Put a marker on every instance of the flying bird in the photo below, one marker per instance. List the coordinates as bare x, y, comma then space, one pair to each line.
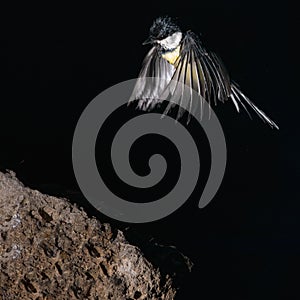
179, 59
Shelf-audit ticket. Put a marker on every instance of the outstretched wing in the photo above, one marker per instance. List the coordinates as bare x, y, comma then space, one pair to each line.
204, 73
153, 79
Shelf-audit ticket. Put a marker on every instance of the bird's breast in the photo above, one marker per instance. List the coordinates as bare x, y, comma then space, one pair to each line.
171, 56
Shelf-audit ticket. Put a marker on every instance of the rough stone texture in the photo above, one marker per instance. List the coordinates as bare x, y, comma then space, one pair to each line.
50, 249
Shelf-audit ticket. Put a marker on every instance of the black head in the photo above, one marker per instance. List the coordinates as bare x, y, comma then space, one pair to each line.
161, 28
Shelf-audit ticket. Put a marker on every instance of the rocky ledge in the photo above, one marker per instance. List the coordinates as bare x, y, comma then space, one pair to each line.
51, 249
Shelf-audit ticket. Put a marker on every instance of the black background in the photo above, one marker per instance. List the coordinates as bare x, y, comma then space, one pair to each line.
55, 60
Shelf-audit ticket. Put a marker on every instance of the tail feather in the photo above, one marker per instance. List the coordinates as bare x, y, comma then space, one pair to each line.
238, 97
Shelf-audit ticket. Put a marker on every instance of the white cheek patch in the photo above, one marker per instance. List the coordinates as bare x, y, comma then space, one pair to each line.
171, 42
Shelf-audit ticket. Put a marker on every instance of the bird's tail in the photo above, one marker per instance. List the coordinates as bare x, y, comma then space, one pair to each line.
239, 99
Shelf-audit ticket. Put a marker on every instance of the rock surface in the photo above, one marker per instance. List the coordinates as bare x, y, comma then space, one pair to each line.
50, 249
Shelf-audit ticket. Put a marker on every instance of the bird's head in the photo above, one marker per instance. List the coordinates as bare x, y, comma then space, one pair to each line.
164, 32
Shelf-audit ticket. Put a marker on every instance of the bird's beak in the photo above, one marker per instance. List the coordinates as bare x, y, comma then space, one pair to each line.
149, 40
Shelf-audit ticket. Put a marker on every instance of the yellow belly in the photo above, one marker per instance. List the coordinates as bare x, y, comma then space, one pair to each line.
172, 56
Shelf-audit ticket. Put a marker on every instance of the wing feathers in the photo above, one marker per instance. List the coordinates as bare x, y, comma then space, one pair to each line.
201, 71
207, 75
154, 76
